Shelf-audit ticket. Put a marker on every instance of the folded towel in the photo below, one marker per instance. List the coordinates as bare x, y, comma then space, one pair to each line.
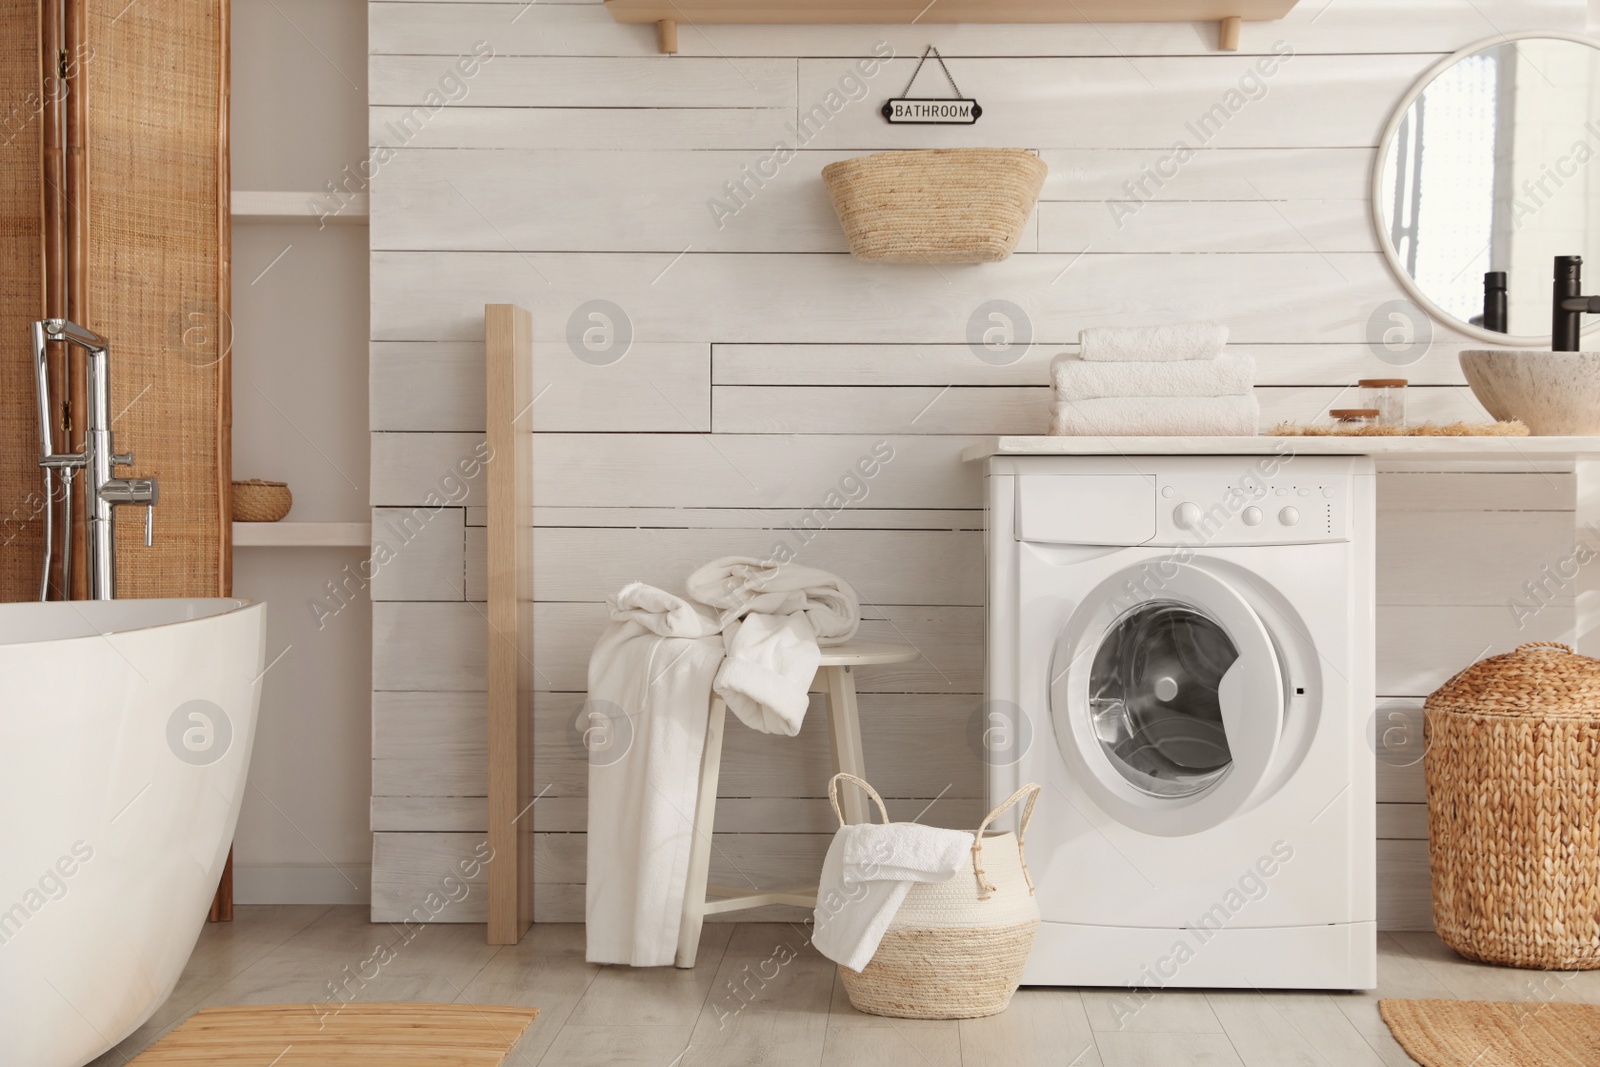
1080, 379
742, 585
1156, 416
868, 871
1185, 340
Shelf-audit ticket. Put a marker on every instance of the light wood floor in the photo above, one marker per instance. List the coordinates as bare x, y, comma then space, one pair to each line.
619, 1017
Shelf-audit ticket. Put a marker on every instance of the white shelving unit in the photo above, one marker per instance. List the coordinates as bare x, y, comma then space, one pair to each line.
302, 534
300, 390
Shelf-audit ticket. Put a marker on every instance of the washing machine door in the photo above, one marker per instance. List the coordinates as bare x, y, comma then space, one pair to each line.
1167, 697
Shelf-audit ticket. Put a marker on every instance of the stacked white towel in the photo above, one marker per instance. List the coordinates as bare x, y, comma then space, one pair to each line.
1157, 381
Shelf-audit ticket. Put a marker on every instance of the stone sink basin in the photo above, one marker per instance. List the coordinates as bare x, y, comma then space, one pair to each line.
1556, 394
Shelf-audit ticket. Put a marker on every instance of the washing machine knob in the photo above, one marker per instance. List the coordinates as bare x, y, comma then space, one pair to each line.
1251, 516
1289, 516
1186, 515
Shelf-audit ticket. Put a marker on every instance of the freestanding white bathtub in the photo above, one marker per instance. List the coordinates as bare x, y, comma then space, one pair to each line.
125, 731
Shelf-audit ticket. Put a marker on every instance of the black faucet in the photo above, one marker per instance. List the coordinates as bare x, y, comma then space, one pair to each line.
1568, 306
1494, 301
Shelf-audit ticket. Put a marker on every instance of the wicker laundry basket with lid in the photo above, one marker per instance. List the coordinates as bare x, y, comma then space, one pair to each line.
955, 949
1512, 758
935, 205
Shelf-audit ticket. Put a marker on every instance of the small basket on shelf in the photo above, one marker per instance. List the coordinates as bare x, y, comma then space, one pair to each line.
937, 205
261, 501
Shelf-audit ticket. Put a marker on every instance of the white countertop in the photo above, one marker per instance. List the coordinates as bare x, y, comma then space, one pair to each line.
1398, 447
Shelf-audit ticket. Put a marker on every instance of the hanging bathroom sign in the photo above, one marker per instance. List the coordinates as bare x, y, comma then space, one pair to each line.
931, 111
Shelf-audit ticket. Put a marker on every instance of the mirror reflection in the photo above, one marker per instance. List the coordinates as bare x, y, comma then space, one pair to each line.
1490, 174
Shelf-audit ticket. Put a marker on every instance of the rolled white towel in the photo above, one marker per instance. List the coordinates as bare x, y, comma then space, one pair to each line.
1145, 344
1079, 379
1156, 416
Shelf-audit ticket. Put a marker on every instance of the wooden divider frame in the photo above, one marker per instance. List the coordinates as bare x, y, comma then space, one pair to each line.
508, 362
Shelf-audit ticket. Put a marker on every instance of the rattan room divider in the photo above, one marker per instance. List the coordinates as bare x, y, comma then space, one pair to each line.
125, 229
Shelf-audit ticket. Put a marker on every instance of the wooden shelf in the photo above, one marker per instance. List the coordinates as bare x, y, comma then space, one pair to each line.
257, 206
302, 535
666, 14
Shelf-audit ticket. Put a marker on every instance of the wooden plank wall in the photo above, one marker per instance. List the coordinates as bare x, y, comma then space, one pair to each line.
577, 165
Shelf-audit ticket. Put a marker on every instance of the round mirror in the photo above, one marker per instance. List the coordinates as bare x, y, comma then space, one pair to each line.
1488, 171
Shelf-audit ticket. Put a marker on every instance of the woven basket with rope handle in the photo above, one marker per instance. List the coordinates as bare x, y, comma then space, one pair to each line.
1512, 760
956, 949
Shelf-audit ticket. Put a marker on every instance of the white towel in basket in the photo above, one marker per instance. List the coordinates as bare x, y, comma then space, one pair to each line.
869, 869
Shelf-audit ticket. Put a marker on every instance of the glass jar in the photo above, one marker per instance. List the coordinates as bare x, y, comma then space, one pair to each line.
1387, 396
1347, 419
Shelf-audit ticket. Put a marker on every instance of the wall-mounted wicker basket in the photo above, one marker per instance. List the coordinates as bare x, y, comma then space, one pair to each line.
938, 205
1512, 757
259, 501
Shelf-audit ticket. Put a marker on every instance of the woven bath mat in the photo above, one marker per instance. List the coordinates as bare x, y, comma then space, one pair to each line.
1480, 1033
351, 1035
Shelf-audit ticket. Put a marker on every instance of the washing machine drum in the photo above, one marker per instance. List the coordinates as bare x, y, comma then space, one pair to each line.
1167, 696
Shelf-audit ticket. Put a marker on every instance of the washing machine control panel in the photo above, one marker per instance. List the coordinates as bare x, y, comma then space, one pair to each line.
1252, 509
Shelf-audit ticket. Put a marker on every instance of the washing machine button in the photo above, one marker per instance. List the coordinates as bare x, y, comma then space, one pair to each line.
1251, 516
1289, 516
1303, 492
1328, 493
1166, 490
1281, 491
1186, 515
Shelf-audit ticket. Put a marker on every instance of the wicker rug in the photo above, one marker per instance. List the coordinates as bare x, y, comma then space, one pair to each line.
368, 1035
1458, 1033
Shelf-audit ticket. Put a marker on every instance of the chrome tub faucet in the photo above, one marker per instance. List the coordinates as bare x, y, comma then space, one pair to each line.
103, 491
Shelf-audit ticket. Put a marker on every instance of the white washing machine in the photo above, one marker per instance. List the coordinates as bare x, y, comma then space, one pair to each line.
1181, 653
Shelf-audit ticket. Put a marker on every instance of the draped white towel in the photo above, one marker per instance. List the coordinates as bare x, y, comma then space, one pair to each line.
1156, 416
743, 585
866, 875
1184, 340
654, 666
773, 618
1080, 379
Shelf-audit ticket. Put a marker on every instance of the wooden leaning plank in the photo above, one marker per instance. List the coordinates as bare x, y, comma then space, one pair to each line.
508, 466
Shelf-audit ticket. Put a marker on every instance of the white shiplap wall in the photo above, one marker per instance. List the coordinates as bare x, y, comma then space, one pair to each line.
577, 166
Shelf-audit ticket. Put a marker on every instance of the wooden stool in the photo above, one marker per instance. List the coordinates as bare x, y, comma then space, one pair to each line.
835, 680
